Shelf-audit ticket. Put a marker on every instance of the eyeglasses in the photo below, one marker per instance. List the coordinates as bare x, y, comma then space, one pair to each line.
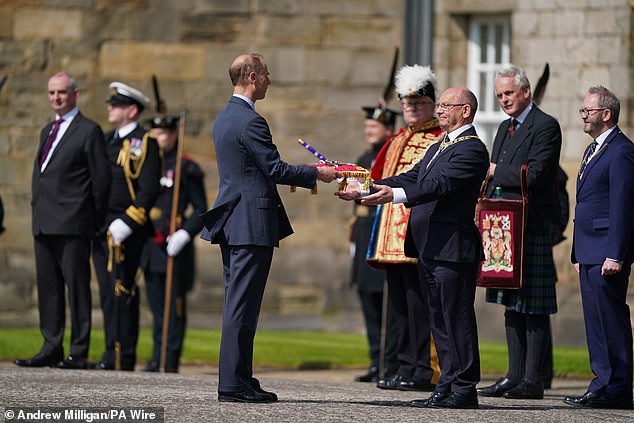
447, 106
586, 112
415, 104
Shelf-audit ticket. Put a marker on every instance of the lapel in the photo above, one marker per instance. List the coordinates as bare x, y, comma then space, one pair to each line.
499, 139
597, 156
64, 140
432, 152
512, 146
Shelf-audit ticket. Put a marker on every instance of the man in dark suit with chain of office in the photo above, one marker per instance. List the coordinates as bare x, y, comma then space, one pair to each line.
442, 191
135, 164
70, 186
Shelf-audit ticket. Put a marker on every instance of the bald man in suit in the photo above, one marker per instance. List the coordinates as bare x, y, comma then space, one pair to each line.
70, 188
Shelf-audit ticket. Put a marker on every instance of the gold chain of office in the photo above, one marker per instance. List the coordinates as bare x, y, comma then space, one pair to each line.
445, 144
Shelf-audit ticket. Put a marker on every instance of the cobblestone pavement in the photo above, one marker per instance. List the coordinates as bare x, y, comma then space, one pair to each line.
305, 396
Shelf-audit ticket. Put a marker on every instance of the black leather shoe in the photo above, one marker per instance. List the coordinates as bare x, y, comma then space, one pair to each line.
73, 362
607, 401
250, 395
436, 398
498, 388
371, 376
458, 401
102, 365
526, 390
389, 382
580, 401
38, 360
152, 366
259, 390
411, 385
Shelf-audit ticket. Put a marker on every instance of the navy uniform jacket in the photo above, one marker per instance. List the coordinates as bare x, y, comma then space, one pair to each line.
71, 196
441, 226
134, 212
248, 209
192, 192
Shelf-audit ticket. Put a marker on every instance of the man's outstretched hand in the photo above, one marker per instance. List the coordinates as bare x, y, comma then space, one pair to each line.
327, 174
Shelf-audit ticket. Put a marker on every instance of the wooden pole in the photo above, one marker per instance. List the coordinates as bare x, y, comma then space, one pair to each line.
170, 260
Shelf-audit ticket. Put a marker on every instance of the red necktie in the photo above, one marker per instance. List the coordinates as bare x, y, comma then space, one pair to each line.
49, 141
512, 128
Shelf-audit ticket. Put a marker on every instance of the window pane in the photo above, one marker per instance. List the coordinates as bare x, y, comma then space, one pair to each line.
499, 37
484, 91
484, 41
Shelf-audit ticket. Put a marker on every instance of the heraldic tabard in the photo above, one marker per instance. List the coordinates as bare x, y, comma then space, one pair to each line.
397, 156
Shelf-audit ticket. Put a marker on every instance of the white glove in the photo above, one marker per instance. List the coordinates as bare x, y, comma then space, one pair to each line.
119, 231
176, 242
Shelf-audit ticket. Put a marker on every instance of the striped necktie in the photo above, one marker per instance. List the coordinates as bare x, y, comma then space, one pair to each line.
49, 141
512, 127
586, 157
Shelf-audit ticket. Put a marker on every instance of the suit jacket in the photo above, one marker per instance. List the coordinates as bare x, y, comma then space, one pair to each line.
248, 209
71, 196
537, 143
443, 197
604, 220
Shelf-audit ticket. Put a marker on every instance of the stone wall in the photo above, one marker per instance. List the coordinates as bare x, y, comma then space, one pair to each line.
327, 58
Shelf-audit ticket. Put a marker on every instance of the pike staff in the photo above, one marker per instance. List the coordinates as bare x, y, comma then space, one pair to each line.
172, 229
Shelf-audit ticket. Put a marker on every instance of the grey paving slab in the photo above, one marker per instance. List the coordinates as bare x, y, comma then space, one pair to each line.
305, 396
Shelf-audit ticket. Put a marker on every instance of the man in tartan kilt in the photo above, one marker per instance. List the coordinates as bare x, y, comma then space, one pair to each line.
533, 138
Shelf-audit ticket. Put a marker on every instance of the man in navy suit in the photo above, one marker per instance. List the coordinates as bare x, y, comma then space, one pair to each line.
603, 250
70, 186
248, 220
442, 190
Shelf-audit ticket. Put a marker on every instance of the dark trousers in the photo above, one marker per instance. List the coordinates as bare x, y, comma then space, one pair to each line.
372, 306
63, 261
410, 310
120, 313
608, 330
450, 290
245, 271
155, 285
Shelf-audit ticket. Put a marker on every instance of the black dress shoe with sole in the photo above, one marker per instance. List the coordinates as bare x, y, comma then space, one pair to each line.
412, 385
526, 390
250, 395
104, 365
608, 401
457, 401
437, 397
371, 376
391, 382
73, 362
498, 388
38, 360
152, 366
580, 401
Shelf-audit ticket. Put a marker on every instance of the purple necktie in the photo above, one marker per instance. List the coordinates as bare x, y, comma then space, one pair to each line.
49, 141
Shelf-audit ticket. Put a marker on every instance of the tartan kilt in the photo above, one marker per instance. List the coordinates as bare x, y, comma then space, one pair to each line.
538, 294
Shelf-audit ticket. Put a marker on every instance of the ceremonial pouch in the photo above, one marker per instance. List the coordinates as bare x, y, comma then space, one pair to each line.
502, 226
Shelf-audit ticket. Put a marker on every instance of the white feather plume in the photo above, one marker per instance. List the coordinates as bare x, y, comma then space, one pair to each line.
410, 79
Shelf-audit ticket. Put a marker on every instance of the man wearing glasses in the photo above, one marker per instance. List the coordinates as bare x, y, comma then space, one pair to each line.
533, 138
603, 250
416, 355
442, 191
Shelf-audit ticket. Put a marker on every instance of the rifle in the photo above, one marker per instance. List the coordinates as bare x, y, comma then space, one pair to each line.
170, 260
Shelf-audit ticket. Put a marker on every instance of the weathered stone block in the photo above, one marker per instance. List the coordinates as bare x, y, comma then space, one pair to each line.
361, 32
42, 23
221, 28
138, 60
